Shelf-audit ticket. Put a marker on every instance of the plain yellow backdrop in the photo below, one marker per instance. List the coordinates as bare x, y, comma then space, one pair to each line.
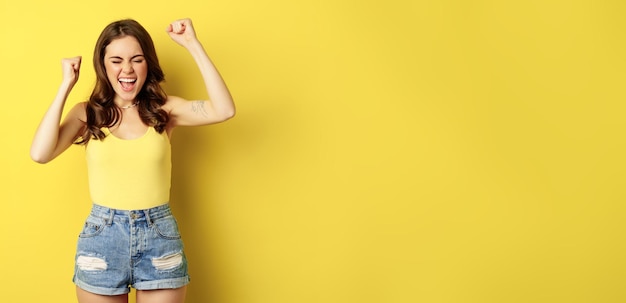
383, 151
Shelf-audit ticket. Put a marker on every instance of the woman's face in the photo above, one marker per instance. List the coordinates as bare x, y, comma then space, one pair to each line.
126, 68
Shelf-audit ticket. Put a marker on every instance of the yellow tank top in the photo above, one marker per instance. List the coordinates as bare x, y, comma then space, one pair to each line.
130, 174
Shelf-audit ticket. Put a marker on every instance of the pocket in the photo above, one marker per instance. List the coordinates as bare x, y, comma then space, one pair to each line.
166, 228
93, 226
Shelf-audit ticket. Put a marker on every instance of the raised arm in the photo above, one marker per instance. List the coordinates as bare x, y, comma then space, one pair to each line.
220, 106
53, 137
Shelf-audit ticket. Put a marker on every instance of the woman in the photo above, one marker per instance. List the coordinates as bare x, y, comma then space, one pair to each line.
130, 238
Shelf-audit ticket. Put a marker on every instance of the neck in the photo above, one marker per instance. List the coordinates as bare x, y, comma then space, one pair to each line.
128, 105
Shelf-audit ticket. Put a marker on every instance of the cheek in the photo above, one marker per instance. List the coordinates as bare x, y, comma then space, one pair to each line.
143, 70
111, 72
142, 73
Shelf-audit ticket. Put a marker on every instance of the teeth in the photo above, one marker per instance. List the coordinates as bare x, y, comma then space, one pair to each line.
128, 80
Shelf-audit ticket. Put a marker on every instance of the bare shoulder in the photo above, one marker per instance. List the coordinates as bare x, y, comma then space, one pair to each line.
171, 102
78, 112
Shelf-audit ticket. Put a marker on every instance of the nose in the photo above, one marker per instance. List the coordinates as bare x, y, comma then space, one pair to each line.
127, 67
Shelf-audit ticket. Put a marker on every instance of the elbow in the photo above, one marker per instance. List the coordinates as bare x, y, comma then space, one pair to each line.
227, 114
39, 158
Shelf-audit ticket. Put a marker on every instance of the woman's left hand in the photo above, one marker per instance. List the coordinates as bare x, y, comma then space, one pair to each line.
182, 32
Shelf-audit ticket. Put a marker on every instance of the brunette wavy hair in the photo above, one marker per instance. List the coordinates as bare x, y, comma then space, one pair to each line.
101, 110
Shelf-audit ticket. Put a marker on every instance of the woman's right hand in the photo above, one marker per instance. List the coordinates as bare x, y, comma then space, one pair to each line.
71, 70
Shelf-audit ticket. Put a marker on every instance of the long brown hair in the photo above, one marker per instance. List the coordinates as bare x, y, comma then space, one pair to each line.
101, 110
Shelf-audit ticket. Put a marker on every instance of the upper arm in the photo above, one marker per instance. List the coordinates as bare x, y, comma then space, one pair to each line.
71, 128
193, 113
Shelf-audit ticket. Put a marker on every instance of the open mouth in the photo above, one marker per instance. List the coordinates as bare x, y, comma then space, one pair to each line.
127, 84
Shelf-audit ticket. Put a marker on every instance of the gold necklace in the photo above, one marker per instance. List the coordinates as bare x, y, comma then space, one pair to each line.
129, 106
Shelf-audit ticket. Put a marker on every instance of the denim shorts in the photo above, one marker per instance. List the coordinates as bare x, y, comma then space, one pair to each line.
119, 249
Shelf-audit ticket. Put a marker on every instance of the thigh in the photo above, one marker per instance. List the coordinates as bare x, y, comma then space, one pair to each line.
88, 297
162, 264
175, 295
102, 267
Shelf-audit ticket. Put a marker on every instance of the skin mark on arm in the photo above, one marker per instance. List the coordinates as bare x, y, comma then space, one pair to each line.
198, 108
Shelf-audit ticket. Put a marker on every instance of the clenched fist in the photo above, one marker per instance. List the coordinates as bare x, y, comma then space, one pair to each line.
71, 69
182, 32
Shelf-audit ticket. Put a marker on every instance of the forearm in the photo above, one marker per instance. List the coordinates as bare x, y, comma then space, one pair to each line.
218, 92
46, 137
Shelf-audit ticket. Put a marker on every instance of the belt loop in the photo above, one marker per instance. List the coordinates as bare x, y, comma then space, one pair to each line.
147, 213
111, 214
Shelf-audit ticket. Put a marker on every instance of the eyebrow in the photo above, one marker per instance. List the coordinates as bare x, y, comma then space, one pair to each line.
120, 58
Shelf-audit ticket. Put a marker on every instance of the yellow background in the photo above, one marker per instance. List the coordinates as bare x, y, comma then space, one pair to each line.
383, 151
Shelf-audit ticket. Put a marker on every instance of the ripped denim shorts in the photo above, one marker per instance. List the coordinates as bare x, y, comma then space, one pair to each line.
119, 249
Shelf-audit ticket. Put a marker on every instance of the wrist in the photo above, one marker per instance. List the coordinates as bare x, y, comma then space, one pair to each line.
193, 43
67, 85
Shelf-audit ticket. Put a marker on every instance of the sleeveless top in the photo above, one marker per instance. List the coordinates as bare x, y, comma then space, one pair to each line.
130, 174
